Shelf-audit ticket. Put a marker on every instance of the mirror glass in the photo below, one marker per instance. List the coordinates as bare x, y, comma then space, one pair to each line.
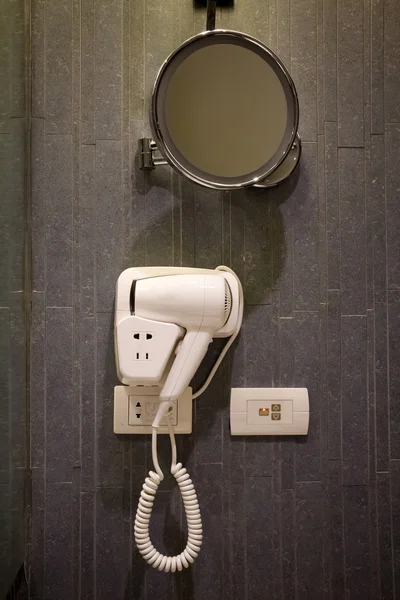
224, 109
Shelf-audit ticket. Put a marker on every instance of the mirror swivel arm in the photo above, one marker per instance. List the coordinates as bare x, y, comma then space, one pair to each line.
149, 156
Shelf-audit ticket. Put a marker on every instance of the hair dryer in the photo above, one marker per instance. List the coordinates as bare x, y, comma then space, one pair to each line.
165, 319
186, 308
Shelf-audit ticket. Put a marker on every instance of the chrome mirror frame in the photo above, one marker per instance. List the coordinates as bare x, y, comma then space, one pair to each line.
290, 149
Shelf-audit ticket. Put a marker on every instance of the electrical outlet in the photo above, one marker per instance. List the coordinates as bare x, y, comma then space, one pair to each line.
136, 407
144, 412
142, 345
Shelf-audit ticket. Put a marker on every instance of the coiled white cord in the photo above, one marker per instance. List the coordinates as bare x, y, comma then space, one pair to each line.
146, 501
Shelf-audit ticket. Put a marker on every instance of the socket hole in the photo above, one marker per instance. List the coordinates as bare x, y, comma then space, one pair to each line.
170, 409
148, 336
136, 336
138, 404
147, 356
137, 355
137, 416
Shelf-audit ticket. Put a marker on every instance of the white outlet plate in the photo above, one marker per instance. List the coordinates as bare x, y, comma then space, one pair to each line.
126, 409
269, 411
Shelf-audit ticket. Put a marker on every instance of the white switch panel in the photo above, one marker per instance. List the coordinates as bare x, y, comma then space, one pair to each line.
136, 407
269, 411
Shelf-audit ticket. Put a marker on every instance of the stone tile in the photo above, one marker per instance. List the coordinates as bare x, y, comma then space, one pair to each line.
158, 217
108, 69
350, 65
135, 205
110, 576
38, 58
392, 149
377, 66
58, 541
257, 249
87, 233
138, 110
283, 246
38, 205
307, 374
354, 401
208, 228
259, 527
108, 221
37, 561
395, 500
207, 576
378, 216
283, 32
18, 62
353, 231
333, 375
15, 169
37, 379
385, 535
371, 393
356, 537
332, 206
322, 222
18, 381
208, 423
394, 375
286, 348
306, 233
235, 585
87, 120
59, 394
308, 536
87, 339
373, 523
288, 544
391, 60
303, 39
5, 65
369, 227
58, 67
367, 67
258, 357
330, 37
335, 530
59, 225
161, 37
109, 458
381, 387
87, 546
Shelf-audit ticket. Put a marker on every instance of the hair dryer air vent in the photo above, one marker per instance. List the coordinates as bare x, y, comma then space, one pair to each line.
228, 301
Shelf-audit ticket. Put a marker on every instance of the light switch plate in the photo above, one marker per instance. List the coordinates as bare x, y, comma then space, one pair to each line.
136, 407
269, 411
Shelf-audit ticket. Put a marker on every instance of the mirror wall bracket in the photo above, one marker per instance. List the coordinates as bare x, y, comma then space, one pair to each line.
211, 10
149, 155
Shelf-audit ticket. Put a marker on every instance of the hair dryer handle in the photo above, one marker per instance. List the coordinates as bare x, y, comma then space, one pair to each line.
190, 354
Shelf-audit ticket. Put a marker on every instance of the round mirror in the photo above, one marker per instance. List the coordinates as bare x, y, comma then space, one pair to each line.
224, 110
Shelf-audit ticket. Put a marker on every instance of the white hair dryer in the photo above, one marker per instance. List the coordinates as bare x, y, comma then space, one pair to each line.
165, 319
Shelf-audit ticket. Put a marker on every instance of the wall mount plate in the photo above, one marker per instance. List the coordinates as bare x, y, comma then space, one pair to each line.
269, 411
136, 407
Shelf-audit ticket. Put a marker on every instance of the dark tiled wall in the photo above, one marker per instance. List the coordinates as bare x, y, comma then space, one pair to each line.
13, 287
315, 518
